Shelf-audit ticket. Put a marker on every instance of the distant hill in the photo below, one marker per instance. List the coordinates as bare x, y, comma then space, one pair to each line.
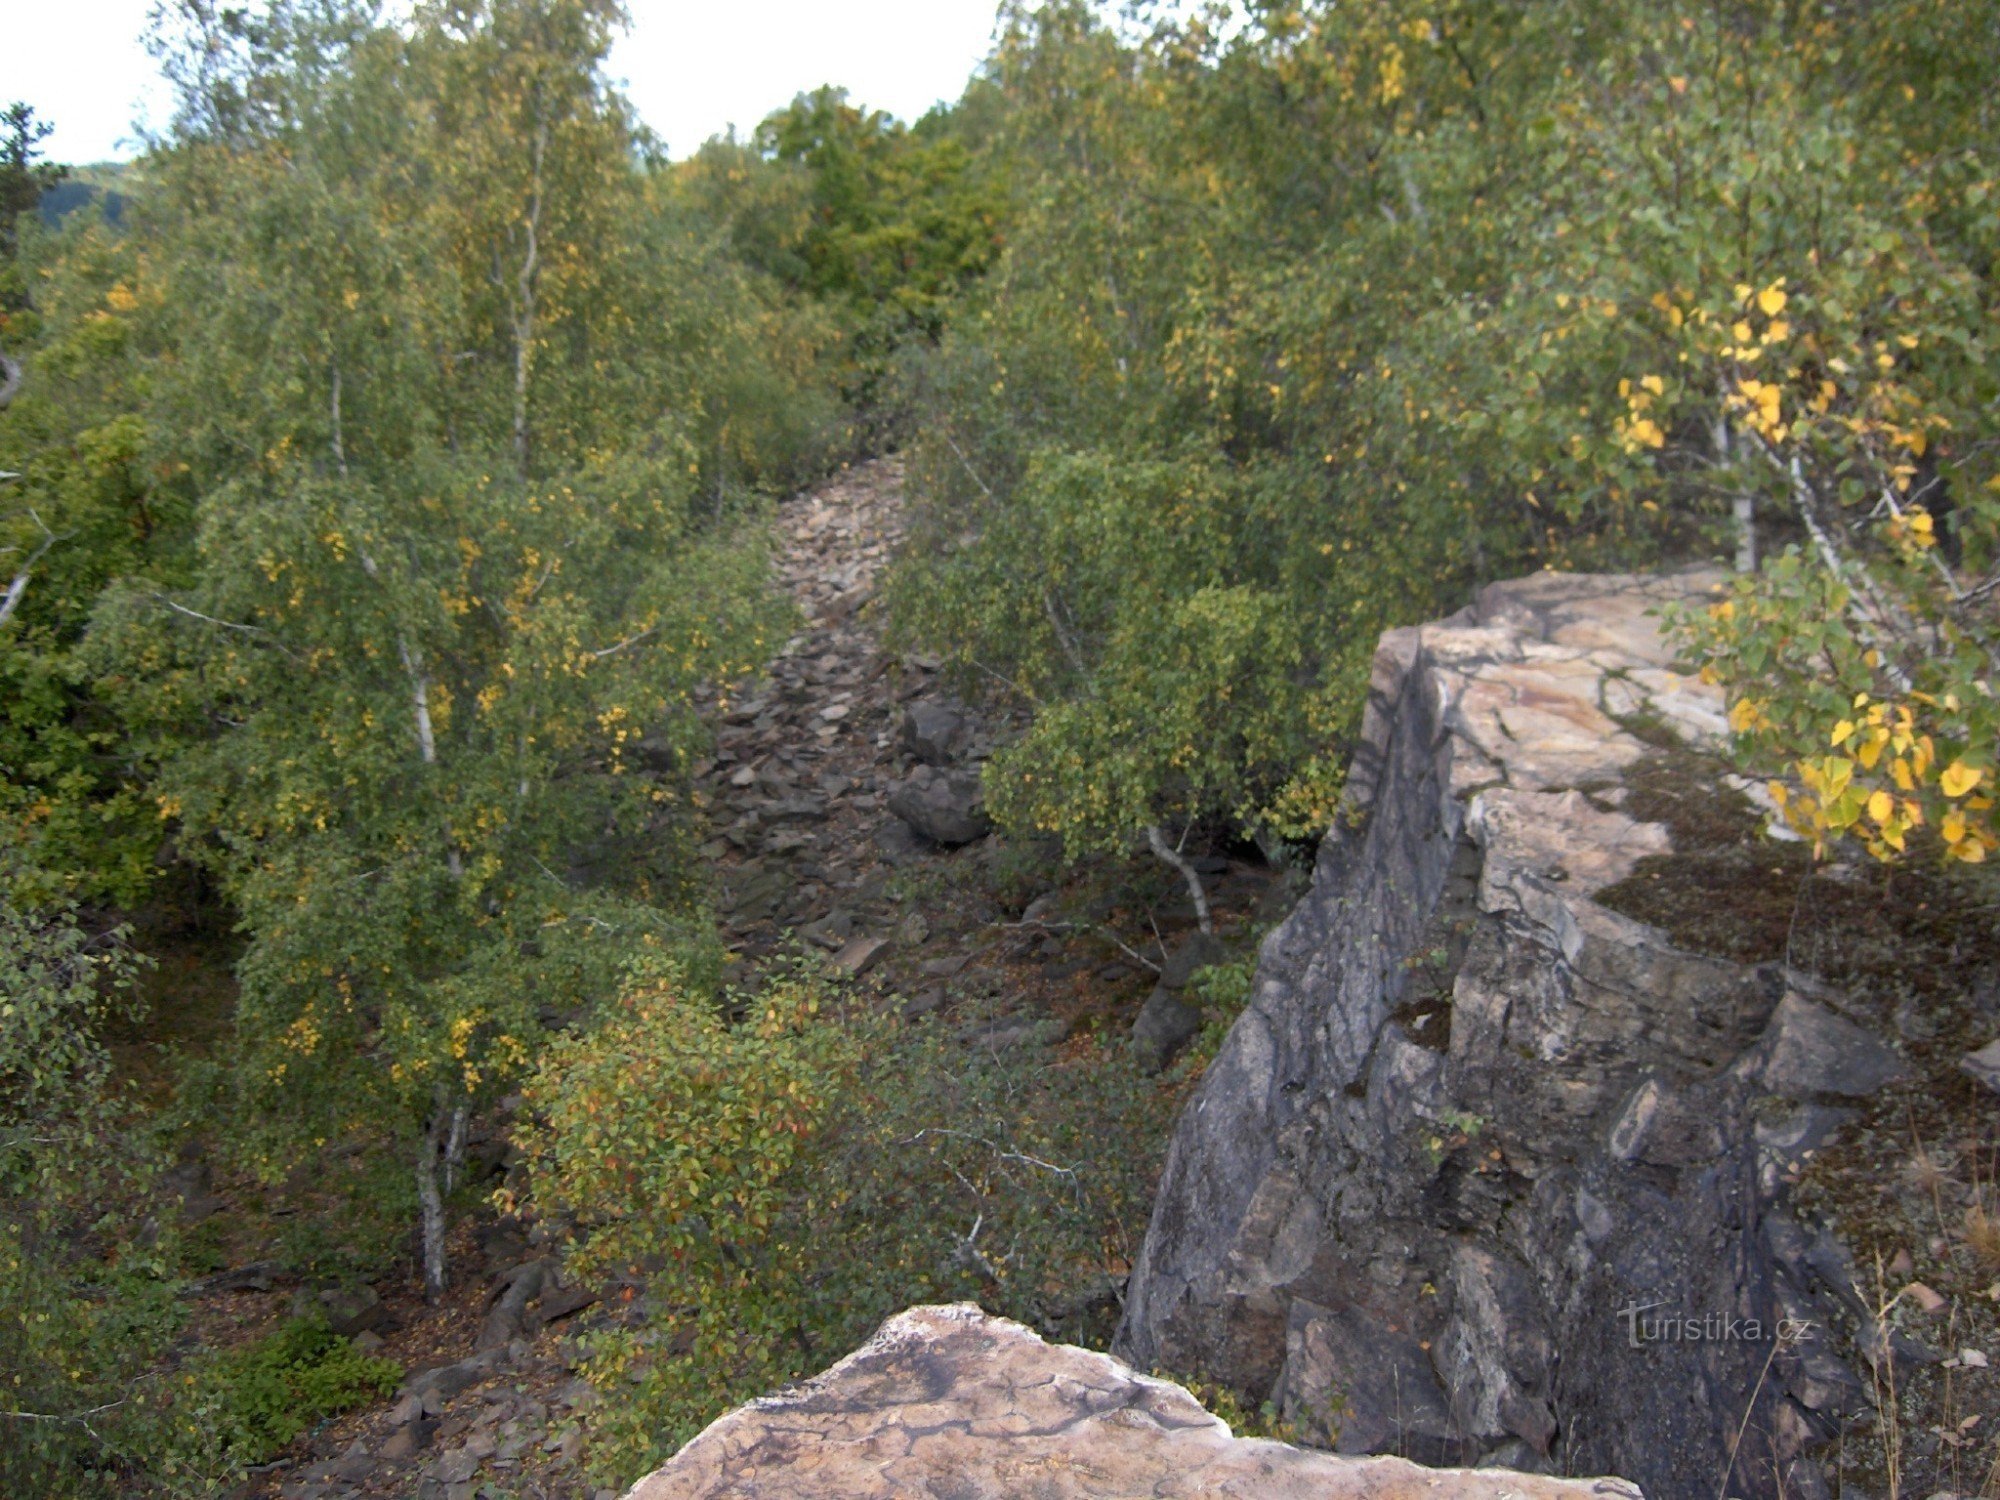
66, 197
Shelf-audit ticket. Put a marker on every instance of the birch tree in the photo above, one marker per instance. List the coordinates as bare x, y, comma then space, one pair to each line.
398, 701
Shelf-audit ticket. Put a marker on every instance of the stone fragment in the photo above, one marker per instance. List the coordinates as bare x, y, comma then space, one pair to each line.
936, 733
1984, 1064
859, 955
440, 1383
1808, 1050
409, 1439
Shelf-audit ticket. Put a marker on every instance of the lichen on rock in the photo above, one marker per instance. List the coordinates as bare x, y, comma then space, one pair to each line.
949, 1401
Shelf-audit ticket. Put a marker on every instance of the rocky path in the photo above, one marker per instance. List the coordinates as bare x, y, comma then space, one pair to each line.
807, 760
844, 812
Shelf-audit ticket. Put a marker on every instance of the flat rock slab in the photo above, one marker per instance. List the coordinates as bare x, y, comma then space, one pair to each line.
947, 1401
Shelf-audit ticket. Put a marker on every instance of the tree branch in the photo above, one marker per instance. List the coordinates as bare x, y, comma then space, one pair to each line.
11, 600
256, 630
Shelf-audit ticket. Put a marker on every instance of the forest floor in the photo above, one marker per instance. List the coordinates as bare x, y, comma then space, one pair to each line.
803, 850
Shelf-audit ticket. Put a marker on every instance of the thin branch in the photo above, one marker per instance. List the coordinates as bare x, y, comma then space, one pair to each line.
256, 630
1871, 616
1063, 637
966, 463
11, 600
999, 1151
630, 640
1131, 952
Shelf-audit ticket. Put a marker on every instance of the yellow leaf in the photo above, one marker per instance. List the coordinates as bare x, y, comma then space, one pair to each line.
1953, 826
1771, 300
1970, 850
1842, 732
1958, 779
1881, 807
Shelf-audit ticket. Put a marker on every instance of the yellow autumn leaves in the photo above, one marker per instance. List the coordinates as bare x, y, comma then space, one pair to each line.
1637, 430
1884, 783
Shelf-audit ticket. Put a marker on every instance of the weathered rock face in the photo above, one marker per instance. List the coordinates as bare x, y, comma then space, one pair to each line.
947, 1401
1475, 1129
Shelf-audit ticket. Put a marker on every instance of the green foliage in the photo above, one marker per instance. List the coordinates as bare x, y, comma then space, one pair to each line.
1404, 301
271, 1390
86, 1304
23, 180
462, 541
781, 1171
1224, 990
880, 223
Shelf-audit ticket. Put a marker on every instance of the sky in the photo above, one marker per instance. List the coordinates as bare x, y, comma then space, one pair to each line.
693, 67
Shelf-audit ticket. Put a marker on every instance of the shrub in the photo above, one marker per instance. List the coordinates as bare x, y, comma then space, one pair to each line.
771, 1176
270, 1391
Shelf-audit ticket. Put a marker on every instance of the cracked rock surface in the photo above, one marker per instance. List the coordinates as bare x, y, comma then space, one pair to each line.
1472, 1114
947, 1401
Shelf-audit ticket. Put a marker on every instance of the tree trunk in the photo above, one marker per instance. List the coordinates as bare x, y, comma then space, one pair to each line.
413, 662
430, 1202
454, 1149
1745, 508
524, 299
1157, 841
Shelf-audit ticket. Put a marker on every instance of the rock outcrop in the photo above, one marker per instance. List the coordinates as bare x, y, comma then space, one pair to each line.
948, 1401
1487, 1171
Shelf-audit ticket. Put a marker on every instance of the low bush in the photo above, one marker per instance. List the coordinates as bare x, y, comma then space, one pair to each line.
770, 1176
269, 1392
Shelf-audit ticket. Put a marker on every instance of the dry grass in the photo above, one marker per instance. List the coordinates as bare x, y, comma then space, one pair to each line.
1982, 1229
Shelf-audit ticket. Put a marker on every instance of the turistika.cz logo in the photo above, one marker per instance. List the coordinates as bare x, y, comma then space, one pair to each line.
1710, 1328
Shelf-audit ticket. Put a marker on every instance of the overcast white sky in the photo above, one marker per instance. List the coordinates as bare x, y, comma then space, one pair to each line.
693, 67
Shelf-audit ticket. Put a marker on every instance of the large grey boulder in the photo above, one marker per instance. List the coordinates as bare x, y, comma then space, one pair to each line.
946, 807
1169, 1020
1165, 1024
1425, 1229
946, 1401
